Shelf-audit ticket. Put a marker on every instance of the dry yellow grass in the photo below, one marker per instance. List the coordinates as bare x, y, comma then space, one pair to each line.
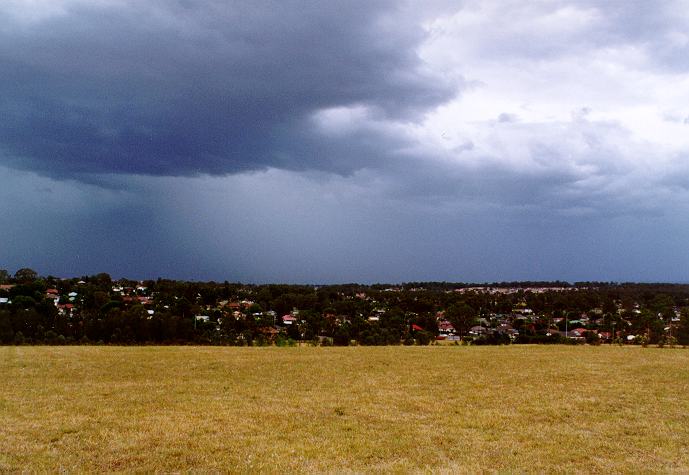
399, 409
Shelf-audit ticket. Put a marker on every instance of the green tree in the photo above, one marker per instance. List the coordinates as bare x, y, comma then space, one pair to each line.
25, 275
342, 336
102, 279
683, 329
462, 317
100, 298
6, 331
648, 323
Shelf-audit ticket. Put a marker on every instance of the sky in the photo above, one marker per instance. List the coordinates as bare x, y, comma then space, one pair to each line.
356, 141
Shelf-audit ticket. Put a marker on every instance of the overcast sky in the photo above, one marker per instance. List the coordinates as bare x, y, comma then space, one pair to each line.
367, 141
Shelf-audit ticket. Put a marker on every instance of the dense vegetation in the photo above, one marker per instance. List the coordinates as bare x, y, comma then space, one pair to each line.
95, 309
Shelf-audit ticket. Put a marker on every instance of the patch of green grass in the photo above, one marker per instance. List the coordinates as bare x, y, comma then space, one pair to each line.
519, 408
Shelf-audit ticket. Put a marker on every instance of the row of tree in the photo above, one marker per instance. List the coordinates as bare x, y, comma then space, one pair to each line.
100, 310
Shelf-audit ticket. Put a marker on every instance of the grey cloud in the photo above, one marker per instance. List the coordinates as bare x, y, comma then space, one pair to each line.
192, 87
649, 26
507, 117
549, 30
333, 228
286, 226
551, 170
109, 96
67, 228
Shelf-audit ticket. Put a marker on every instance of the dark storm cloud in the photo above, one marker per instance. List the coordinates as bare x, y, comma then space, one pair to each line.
189, 87
311, 142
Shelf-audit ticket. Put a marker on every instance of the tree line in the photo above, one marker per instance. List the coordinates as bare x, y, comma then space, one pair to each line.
94, 309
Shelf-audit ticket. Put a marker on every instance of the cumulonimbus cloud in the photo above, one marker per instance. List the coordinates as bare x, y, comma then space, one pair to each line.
199, 86
563, 103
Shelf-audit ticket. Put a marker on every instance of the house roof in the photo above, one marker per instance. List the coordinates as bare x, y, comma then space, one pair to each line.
268, 331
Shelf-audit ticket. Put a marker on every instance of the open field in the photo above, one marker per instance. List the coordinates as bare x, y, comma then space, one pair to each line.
519, 408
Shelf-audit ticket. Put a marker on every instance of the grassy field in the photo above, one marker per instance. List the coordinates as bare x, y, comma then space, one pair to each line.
445, 409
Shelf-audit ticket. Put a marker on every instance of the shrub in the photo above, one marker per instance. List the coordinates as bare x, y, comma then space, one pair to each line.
592, 338
423, 337
281, 341
494, 339
668, 340
341, 336
261, 340
51, 337
19, 338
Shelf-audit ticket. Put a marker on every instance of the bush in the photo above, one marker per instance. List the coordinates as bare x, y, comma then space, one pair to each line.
51, 337
341, 336
19, 338
370, 338
261, 340
523, 338
423, 337
641, 340
494, 339
280, 341
592, 338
